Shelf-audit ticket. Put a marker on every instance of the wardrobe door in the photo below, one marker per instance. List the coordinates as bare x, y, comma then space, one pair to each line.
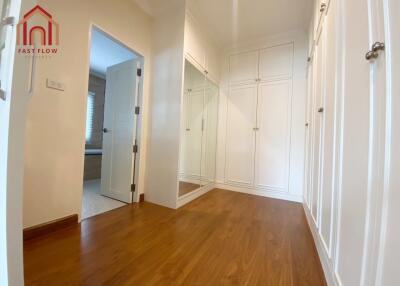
210, 123
273, 135
276, 63
241, 121
195, 134
317, 118
243, 68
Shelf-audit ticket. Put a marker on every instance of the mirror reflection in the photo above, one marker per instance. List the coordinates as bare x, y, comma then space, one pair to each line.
198, 131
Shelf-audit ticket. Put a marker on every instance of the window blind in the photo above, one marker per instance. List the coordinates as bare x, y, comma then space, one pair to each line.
90, 117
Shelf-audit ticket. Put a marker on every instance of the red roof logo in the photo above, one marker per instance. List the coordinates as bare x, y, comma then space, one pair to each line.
38, 26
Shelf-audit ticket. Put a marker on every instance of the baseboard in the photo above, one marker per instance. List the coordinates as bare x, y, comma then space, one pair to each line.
263, 193
49, 227
141, 198
327, 266
183, 200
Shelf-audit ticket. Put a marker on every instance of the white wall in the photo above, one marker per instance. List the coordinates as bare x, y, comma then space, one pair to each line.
299, 38
55, 138
165, 105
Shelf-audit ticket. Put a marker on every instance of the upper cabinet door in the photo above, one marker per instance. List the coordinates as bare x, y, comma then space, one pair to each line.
212, 64
193, 43
276, 63
240, 142
243, 68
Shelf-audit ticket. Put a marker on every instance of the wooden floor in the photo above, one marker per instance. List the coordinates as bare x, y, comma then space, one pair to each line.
186, 188
222, 238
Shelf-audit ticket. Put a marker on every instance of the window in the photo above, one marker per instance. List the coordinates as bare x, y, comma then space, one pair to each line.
90, 117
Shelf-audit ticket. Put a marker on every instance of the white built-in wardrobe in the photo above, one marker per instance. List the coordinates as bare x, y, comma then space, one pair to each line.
352, 182
257, 121
258, 118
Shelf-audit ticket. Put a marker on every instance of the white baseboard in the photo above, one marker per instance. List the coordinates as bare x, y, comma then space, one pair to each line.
327, 265
263, 193
185, 199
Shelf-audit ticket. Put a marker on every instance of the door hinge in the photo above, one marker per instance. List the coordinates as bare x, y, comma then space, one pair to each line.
135, 148
137, 110
133, 188
139, 72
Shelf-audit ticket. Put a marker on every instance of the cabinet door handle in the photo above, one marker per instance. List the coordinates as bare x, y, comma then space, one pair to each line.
256, 128
323, 8
320, 110
378, 46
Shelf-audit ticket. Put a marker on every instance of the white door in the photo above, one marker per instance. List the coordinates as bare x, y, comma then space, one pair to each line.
240, 141
119, 131
361, 94
317, 117
273, 135
388, 262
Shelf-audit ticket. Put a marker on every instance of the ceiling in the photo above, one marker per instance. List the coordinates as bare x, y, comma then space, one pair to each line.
233, 21
106, 52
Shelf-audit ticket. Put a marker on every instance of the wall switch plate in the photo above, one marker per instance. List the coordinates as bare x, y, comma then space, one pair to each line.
53, 84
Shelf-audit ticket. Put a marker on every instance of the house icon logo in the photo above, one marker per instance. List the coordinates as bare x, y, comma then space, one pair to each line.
38, 33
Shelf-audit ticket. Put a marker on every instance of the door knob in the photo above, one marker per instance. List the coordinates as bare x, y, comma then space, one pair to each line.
105, 130
378, 46
374, 52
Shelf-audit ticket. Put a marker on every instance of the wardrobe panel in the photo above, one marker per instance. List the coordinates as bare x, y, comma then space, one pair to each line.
191, 141
328, 128
276, 62
241, 119
273, 135
355, 143
317, 117
243, 68
210, 123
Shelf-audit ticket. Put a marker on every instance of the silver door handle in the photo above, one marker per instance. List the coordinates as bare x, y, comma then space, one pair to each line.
378, 46
374, 52
371, 55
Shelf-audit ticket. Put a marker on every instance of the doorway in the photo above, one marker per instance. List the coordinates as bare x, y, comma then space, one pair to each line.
115, 76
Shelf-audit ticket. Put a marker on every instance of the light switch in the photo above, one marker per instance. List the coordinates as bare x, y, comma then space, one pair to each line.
53, 84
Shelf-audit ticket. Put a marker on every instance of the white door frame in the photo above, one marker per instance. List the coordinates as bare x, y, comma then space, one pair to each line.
139, 103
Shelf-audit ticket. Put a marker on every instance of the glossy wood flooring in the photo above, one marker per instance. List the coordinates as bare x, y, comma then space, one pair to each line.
222, 238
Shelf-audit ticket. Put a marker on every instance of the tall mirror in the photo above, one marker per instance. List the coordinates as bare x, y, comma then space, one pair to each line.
198, 131
210, 123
